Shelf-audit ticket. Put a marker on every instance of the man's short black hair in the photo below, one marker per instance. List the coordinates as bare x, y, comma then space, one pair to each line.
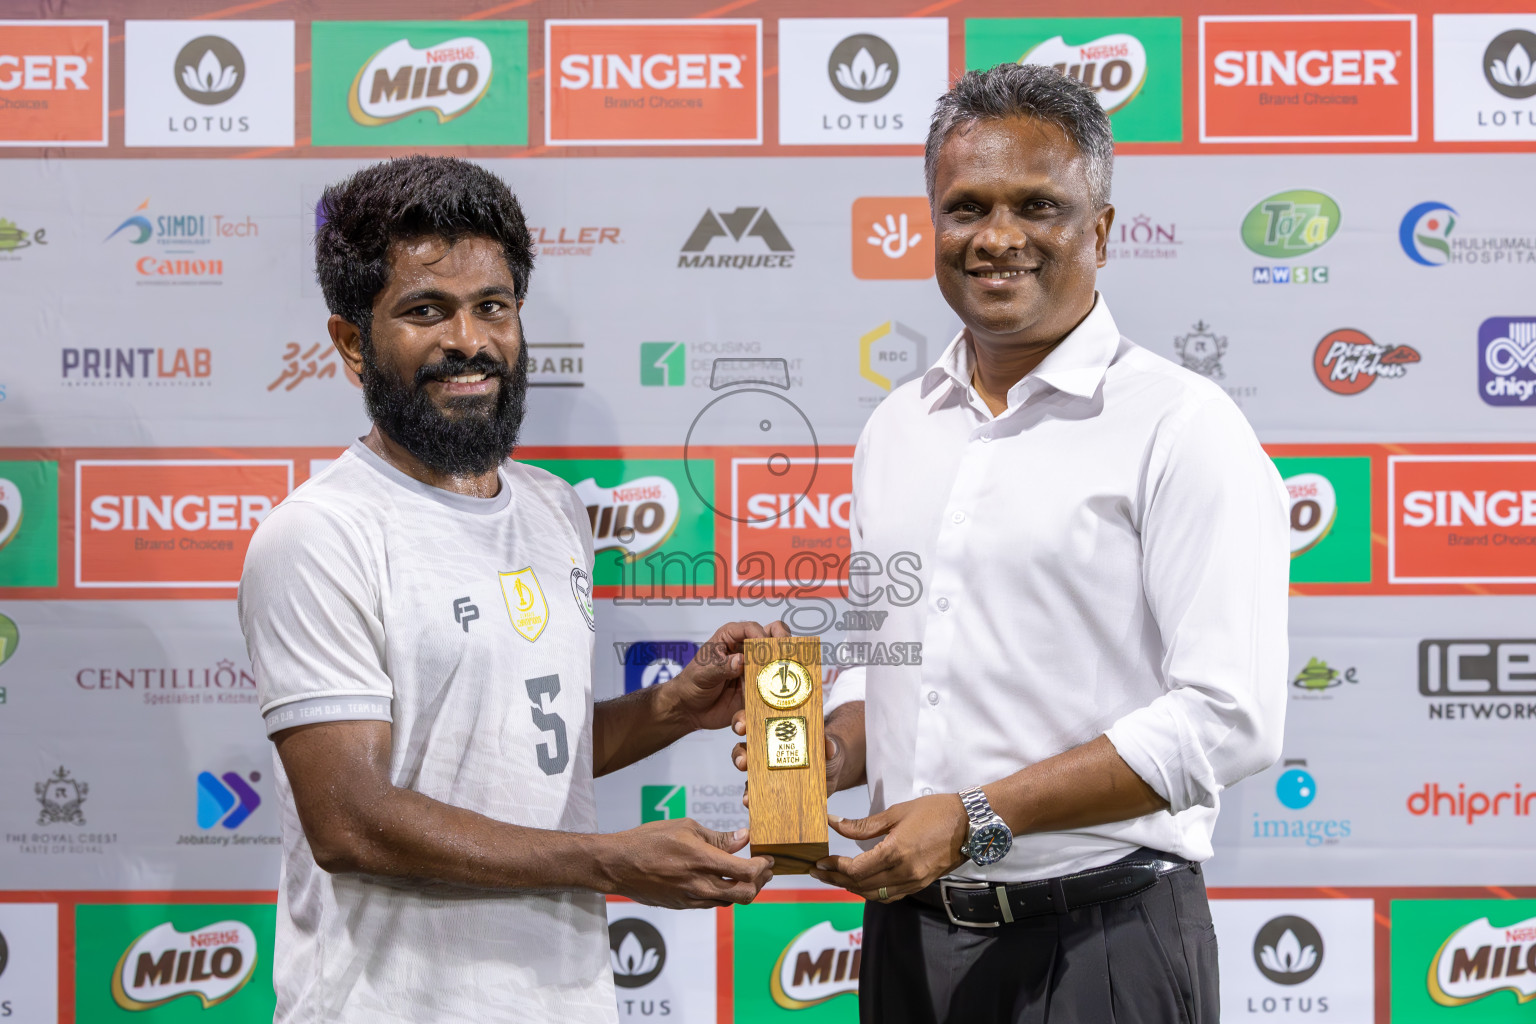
406, 198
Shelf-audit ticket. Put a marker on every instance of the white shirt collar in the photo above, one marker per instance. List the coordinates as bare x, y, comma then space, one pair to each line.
1075, 366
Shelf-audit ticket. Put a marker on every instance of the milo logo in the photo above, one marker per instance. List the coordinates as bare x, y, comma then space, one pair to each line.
1479, 960
1113, 66
1290, 224
1314, 506
818, 964
447, 79
212, 963
636, 516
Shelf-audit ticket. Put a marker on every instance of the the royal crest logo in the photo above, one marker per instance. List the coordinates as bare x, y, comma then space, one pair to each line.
1201, 350
447, 79
1479, 960
61, 797
525, 602
818, 964
212, 963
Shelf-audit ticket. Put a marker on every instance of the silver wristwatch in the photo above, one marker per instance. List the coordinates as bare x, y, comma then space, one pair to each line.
990, 838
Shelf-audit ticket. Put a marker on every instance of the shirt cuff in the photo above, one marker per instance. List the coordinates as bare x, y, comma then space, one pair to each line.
1158, 746
847, 688
362, 707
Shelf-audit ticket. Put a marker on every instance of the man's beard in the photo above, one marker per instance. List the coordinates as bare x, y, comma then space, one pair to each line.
481, 430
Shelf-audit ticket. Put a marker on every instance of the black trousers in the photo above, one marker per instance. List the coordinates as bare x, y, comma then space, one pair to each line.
1146, 959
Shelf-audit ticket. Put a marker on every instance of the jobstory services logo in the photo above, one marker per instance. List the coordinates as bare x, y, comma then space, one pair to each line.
859, 81
1289, 225
53, 83
1132, 65
1485, 77
1506, 361
1472, 679
419, 83
1347, 361
749, 239
186, 86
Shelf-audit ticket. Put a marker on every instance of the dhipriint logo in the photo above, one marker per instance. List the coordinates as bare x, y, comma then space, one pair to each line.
1434, 802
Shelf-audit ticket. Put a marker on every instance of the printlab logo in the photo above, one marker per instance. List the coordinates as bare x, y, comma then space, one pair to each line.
663, 803
1347, 361
740, 224
226, 799
210, 70
636, 952
1288, 950
663, 364
1508, 64
1506, 360
1425, 233
892, 238
863, 68
61, 798
1287, 225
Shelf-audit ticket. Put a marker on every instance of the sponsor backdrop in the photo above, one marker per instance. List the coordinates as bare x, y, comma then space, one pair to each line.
1320, 211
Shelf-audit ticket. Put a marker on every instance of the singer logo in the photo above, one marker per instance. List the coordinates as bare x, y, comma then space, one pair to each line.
53, 77
788, 527
1461, 518
653, 82
892, 238
212, 963
171, 522
1309, 78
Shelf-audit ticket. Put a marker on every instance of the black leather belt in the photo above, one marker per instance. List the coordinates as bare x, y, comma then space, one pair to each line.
990, 904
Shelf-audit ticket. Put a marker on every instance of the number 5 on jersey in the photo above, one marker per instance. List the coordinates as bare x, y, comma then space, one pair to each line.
551, 762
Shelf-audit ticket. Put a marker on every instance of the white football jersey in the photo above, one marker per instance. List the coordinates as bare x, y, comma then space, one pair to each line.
467, 623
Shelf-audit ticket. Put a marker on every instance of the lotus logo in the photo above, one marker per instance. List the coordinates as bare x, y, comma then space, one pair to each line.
1508, 66
209, 70
212, 963
447, 79
1288, 950
636, 951
863, 68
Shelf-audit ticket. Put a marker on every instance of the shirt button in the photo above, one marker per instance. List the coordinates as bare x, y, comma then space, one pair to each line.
943, 604
958, 517
933, 696
927, 791
986, 437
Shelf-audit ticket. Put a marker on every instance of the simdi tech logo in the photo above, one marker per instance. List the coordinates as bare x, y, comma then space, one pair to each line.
1309, 78
1463, 961
192, 83
1461, 518
29, 524
860, 81
695, 82
1133, 65
1485, 77
171, 523
53, 83
419, 83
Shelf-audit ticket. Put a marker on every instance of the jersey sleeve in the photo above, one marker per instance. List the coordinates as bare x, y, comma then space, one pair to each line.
310, 615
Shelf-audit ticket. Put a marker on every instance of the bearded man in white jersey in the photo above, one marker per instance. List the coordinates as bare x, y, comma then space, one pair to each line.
418, 619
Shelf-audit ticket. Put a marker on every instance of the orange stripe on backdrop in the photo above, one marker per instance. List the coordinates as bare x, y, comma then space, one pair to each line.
932, 8
728, 8
491, 12
224, 12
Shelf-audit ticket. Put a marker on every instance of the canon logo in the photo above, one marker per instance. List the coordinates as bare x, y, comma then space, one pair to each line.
657, 71
189, 512
43, 73
1310, 67
1479, 508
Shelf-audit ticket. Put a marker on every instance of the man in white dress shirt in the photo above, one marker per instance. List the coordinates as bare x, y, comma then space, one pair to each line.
1105, 556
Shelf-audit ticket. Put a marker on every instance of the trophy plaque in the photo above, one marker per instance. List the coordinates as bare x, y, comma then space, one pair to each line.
786, 751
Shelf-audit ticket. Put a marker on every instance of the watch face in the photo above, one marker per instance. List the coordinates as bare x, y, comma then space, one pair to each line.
990, 844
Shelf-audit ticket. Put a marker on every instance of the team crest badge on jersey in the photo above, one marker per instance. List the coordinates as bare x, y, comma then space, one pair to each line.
581, 590
525, 602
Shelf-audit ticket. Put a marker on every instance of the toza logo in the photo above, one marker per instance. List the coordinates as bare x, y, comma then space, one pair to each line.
1113, 66
863, 68
447, 79
820, 963
61, 797
1506, 365
225, 800
636, 951
209, 70
212, 963
1508, 65
1288, 950
1347, 361
1479, 959
1289, 224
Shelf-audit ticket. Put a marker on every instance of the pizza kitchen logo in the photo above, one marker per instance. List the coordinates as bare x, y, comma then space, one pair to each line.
1347, 361
212, 963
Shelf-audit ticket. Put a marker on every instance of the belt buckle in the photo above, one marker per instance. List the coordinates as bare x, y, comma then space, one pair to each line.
946, 884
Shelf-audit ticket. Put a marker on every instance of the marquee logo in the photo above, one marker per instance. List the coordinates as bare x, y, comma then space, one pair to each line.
740, 224
820, 963
212, 963
1478, 959
1309, 78
653, 82
171, 522
447, 80
1347, 361
1506, 360
1461, 518
53, 83
635, 517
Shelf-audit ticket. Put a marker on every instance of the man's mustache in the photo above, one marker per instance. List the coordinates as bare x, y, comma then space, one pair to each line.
454, 365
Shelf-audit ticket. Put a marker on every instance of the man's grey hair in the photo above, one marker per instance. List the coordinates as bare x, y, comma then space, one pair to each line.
1027, 90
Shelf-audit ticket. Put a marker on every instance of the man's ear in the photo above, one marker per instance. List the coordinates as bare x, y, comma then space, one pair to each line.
348, 339
1101, 227
520, 305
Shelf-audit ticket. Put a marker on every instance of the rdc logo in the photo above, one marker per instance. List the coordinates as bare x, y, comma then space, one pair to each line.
1506, 360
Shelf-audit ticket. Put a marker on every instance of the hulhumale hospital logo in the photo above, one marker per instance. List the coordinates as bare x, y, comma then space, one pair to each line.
1425, 233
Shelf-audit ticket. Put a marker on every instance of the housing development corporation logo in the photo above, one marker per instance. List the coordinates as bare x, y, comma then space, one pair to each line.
736, 228
213, 963
53, 83
892, 238
859, 81
1461, 518
1347, 361
663, 803
380, 83
1288, 225
663, 364
1288, 950
1132, 65
1506, 360
653, 82
1309, 78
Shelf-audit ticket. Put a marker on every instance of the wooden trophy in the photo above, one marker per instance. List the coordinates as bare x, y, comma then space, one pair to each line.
786, 751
